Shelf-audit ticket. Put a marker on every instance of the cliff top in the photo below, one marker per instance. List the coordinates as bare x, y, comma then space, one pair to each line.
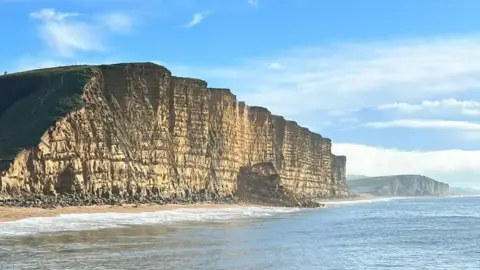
45, 71
32, 101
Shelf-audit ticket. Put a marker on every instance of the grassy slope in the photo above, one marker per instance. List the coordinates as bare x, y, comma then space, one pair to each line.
32, 101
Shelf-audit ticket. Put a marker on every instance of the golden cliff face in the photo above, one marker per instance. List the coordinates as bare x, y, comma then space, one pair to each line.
144, 132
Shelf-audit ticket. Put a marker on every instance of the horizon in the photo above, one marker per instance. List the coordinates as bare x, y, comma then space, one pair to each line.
393, 85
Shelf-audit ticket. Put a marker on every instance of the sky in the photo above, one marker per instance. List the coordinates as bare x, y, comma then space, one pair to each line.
394, 84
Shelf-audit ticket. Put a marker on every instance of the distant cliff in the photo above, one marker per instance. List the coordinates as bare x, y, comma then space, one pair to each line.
398, 185
355, 176
464, 191
134, 132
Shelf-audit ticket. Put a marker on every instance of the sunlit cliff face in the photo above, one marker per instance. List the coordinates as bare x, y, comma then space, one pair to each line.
144, 132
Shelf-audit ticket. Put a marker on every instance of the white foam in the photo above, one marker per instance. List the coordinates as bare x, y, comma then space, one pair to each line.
463, 196
386, 199
91, 221
361, 201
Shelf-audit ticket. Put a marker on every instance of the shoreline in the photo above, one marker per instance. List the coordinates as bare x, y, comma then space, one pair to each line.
14, 213
8, 214
368, 198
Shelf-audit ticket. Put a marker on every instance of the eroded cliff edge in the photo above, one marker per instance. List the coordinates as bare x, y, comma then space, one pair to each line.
399, 185
134, 131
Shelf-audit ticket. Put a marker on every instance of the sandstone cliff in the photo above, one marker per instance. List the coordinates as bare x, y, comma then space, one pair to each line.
399, 185
135, 131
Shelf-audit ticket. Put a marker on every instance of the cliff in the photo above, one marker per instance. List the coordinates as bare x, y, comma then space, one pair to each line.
128, 132
399, 185
355, 176
465, 191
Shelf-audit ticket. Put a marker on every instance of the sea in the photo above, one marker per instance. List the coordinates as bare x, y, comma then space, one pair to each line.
395, 233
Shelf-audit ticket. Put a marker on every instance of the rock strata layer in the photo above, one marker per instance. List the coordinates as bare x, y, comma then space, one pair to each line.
116, 133
399, 185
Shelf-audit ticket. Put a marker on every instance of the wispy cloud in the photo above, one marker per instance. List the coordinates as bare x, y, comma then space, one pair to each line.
444, 165
197, 19
425, 123
116, 21
345, 76
466, 107
65, 36
471, 112
48, 14
253, 2
470, 135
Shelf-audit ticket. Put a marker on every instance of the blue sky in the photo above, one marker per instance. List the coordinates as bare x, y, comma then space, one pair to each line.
395, 84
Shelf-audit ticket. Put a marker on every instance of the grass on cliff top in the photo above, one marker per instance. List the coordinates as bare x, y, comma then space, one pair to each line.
47, 71
32, 101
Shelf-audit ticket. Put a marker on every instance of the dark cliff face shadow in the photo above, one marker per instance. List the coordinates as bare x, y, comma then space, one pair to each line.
66, 181
261, 183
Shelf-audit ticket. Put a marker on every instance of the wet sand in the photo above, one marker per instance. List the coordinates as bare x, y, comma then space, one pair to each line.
17, 213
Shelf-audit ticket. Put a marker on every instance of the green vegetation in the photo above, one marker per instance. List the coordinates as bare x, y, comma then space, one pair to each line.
32, 101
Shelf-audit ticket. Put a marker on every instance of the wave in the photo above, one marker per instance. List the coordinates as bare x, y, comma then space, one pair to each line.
93, 221
386, 199
365, 200
463, 196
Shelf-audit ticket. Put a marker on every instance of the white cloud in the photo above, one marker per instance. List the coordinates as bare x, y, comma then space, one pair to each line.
117, 22
343, 112
470, 135
275, 66
465, 107
64, 36
197, 19
253, 2
445, 165
68, 33
347, 120
344, 76
49, 14
425, 123
473, 112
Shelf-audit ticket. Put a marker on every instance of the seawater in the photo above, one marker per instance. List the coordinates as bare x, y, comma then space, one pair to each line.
406, 233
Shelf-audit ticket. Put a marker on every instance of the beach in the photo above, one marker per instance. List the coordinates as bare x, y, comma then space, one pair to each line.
17, 213
396, 233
